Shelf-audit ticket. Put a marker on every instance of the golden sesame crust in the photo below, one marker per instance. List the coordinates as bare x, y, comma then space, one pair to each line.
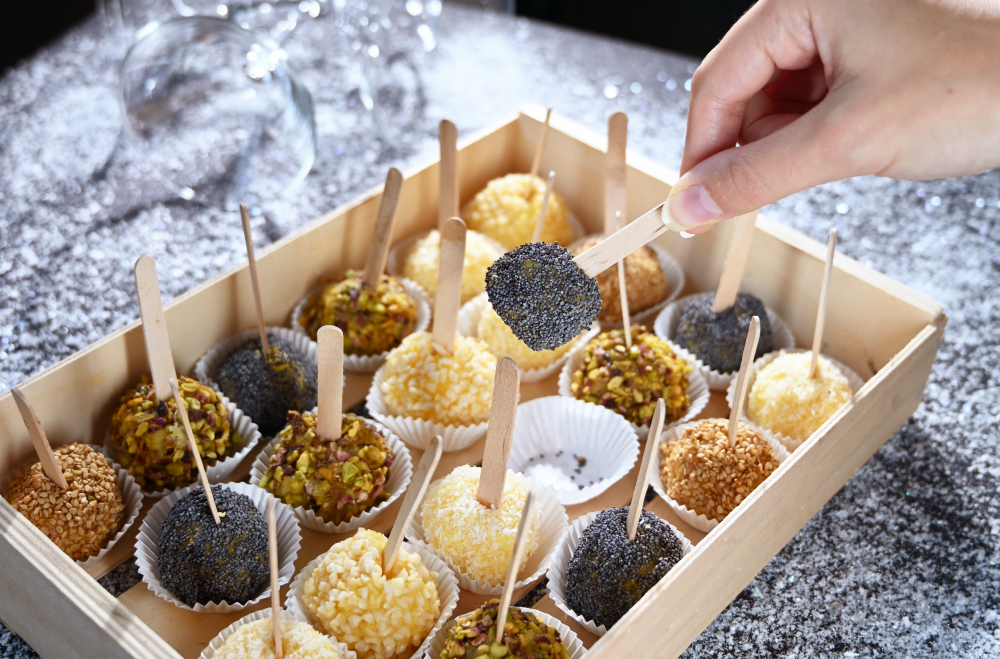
644, 282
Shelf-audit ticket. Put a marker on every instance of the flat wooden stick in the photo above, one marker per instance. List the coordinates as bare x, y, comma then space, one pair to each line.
499, 433
255, 280
515, 560
38, 439
378, 250
330, 385
448, 140
540, 222
642, 483
272, 546
414, 495
735, 263
831, 248
154, 327
448, 298
614, 171
193, 447
739, 394
623, 294
536, 162
623, 242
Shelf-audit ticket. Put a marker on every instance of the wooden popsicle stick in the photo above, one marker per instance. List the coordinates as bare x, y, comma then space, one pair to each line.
623, 242
622, 293
540, 222
411, 501
614, 171
831, 248
261, 325
330, 384
739, 393
735, 263
378, 251
272, 550
642, 483
499, 433
193, 447
448, 298
536, 162
38, 439
154, 327
448, 141
520, 540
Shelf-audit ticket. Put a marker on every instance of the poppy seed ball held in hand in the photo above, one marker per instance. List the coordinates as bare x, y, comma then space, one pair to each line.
718, 339
542, 295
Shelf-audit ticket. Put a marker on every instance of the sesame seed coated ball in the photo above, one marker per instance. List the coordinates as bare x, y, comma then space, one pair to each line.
630, 381
81, 519
700, 471
785, 400
422, 262
373, 320
150, 438
377, 615
479, 540
718, 339
608, 573
525, 636
201, 561
503, 343
508, 208
542, 295
421, 380
644, 282
265, 389
255, 640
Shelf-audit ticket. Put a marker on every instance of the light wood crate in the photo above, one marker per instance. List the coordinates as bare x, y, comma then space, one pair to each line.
884, 331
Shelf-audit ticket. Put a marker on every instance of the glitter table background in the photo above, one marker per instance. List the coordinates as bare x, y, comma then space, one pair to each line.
900, 563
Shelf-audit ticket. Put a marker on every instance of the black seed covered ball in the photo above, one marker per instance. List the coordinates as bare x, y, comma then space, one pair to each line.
265, 390
542, 295
201, 562
718, 338
607, 574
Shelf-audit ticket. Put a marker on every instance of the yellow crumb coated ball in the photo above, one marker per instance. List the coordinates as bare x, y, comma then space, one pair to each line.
785, 400
424, 256
421, 380
503, 343
477, 539
255, 640
377, 615
508, 208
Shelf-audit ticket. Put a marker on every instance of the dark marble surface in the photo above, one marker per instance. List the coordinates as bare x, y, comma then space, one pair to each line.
900, 563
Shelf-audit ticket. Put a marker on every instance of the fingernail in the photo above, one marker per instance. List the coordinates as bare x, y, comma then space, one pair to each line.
693, 207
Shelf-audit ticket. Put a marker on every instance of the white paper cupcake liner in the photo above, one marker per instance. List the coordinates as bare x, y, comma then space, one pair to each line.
400, 474
550, 432
552, 521
854, 381
418, 433
698, 393
220, 640
698, 521
222, 469
468, 325
370, 363
574, 646
447, 586
666, 324
557, 571
396, 263
147, 546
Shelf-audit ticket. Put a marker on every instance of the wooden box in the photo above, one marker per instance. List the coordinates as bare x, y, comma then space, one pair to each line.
885, 332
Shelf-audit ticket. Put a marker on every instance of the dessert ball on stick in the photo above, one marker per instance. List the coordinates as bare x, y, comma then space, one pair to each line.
525, 636
423, 259
201, 561
378, 615
645, 283
508, 208
502, 343
255, 640
717, 338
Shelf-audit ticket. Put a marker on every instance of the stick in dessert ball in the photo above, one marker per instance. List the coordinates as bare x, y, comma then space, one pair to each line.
642, 483
614, 171
740, 393
38, 439
515, 560
449, 289
272, 550
536, 162
448, 143
623, 294
193, 445
154, 327
540, 224
499, 433
735, 263
378, 251
330, 389
255, 280
414, 495
831, 248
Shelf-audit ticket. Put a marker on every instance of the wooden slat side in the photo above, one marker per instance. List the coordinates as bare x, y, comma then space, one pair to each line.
689, 598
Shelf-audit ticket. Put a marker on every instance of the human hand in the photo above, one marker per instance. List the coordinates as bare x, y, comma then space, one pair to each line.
822, 90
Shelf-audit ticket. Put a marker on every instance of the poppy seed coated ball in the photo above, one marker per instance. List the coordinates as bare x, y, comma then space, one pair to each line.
718, 339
